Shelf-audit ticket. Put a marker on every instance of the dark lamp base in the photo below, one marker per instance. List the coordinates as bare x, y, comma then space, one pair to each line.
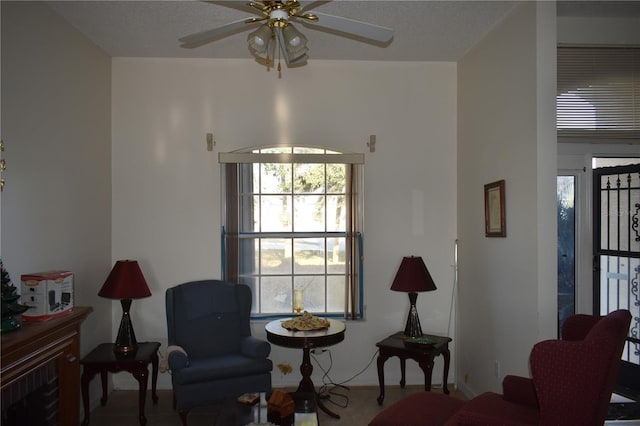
126, 343
413, 328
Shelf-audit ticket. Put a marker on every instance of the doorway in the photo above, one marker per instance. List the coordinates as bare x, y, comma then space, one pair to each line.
616, 257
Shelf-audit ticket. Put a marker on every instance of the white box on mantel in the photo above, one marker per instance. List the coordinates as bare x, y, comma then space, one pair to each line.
48, 294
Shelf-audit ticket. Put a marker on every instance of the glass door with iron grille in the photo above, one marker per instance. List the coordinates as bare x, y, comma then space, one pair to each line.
616, 259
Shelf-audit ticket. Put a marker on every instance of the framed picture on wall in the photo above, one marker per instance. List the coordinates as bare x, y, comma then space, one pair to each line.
494, 214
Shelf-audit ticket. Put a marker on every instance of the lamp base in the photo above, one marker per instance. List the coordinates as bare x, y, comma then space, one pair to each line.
126, 343
413, 328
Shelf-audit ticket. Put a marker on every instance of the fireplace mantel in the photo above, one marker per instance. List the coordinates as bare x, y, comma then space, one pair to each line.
37, 345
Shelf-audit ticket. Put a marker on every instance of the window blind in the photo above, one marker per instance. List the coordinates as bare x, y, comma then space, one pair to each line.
599, 93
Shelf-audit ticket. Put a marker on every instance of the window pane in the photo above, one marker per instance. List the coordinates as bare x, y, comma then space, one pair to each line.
336, 255
275, 256
255, 176
276, 296
313, 288
248, 258
275, 178
308, 255
275, 213
336, 213
275, 150
335, 293
252, 282
307, 150
336, 178
566, 248
309, 213
308, 178
249, 213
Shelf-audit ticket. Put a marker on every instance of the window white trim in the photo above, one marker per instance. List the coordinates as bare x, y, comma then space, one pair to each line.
251, 157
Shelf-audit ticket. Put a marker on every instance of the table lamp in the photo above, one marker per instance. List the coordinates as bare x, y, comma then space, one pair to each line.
125, 282
412, 277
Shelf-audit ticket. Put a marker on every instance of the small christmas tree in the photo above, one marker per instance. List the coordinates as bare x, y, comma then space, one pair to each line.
10, 305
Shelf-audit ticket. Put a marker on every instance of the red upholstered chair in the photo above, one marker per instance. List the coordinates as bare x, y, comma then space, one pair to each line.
572, 381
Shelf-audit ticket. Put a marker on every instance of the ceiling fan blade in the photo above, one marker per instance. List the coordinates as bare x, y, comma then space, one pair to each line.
350, 26
306, 5
202, 37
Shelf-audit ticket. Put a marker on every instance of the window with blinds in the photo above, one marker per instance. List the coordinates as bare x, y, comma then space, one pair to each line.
599, 93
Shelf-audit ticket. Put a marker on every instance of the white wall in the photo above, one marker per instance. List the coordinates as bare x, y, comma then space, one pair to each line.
55, 124
506, 85
598, 30
166, 189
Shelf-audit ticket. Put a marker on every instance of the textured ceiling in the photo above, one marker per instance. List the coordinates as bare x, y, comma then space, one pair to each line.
424, 30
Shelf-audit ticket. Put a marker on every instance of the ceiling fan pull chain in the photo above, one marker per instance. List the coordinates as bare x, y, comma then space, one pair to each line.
279, 48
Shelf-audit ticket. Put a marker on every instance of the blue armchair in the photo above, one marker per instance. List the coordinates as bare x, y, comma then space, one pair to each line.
216, 356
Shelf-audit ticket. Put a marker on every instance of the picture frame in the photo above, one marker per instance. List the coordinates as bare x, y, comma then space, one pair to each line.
494, 210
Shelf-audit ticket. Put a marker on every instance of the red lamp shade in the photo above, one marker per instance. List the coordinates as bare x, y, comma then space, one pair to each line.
413, 276
125, 282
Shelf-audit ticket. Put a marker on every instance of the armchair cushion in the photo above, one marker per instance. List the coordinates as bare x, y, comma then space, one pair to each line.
491, 409
421, 409
221, 367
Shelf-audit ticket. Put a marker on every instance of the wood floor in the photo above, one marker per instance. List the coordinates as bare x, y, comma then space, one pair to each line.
356, 407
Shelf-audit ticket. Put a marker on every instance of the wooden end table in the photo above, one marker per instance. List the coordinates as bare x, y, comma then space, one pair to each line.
394, 345
306, 340
102, 360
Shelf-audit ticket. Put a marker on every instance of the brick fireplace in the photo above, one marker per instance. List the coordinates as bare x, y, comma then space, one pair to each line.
40, 373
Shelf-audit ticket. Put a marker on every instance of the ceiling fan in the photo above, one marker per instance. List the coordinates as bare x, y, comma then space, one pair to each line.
276, 29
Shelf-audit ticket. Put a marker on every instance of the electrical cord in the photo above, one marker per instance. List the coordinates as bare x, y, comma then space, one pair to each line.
327, 381
326, 390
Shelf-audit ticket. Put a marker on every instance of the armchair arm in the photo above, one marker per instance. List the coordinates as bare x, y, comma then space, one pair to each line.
255, 348
519, 390
177, 358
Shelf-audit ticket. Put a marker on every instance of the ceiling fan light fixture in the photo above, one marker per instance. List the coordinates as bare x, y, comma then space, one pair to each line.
293, 37
259, 39
295, 54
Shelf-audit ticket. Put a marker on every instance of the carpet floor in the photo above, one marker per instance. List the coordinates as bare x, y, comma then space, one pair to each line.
356, 407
